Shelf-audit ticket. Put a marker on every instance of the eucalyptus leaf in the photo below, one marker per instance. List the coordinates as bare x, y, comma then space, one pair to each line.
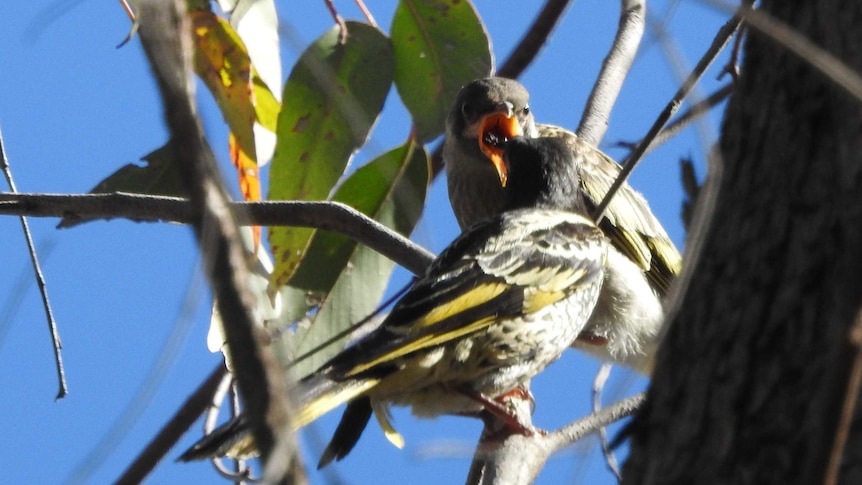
440, 45
331, 100
342, 280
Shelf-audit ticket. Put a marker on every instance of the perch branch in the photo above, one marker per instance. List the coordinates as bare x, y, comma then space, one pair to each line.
517, 459
329, 216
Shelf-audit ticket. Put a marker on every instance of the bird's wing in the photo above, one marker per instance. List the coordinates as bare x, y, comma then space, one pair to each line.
628, 221
510, 265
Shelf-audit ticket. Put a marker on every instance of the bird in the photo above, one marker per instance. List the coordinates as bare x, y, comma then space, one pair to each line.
642, 261
497, 306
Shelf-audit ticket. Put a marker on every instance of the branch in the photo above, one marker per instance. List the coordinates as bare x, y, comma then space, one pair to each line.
56, 344
164, 36
848, 411
329, 216
594, 121
168, 436
607, 450
721, 39
573, 432
684, 120
533, 40
517, 459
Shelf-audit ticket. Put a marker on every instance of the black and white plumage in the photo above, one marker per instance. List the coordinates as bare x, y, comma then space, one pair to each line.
642, 261
502, 302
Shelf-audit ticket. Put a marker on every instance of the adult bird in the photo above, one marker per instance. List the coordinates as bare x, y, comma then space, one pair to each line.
642, 261
502, 302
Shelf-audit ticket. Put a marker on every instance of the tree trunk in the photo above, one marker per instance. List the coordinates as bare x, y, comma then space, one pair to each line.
751, 377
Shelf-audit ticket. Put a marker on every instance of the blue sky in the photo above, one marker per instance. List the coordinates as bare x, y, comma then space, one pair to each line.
74, 108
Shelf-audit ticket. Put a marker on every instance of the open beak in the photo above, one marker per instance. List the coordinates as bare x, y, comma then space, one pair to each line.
494, 131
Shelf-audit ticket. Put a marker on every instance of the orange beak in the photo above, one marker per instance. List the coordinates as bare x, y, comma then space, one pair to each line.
494, 131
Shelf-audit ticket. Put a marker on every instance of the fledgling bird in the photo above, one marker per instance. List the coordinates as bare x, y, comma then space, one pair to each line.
642, 261
497, 306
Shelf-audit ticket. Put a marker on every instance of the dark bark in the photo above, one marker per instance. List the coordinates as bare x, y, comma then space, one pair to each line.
751, 377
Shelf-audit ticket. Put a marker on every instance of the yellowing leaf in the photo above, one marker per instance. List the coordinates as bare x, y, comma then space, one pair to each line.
222, 63
249, 180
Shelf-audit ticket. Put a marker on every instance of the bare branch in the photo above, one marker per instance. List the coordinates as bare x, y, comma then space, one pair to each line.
594, 121
56, 343
598, 385
366, 13
721, 39
851, 396
514, 459
573, 432
168, 436
329, 216
342, 27
533, 40
684, 120
164, 36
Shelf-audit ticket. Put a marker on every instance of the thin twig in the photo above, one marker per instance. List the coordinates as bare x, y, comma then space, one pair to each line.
133, 18
342, 32
851, 396
721, 39
366, 12
329, 216
128, 9
732, 66
598, 385
225, 387
56, 343
168, 436
533, 40
574, 431
685, 119
615, 68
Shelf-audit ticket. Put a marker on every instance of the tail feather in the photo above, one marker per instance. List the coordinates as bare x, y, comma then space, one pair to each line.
316, 396
348, 432
232, 439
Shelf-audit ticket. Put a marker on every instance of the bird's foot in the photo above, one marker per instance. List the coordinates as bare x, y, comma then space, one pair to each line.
502, 409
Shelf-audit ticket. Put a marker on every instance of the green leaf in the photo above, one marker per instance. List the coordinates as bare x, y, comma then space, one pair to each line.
159, 176
342, 281
331, 100
440, 45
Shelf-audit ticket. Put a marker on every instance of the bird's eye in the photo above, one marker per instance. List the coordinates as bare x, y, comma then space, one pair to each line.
468, 111
527, 109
